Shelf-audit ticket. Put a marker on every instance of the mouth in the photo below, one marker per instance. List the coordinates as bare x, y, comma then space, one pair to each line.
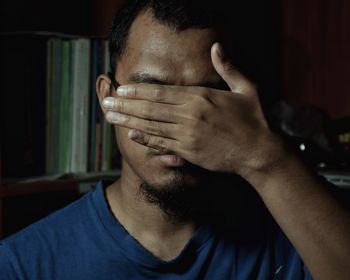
170, 160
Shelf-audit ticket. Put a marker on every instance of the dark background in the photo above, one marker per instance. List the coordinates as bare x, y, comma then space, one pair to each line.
306, 45
311, 38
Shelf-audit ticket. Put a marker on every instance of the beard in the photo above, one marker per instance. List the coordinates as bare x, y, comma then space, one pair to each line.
180, 198
188, 192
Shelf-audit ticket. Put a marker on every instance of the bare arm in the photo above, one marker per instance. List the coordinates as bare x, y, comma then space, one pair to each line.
316, 224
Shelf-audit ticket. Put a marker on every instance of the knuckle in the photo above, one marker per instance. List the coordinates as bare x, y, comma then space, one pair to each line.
200, 103
155, 128
204, 93
161, 131
126, 121
161, 143
202, 118
146, 109
168, 114
152, 126
158, 143
197, 117
204, 97
132, 92
157, 93
119, 105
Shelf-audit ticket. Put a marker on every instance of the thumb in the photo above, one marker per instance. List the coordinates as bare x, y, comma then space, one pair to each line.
237, 82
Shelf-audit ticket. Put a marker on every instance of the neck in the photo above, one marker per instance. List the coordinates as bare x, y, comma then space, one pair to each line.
145, 221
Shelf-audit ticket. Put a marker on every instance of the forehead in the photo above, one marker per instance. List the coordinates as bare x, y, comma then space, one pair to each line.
158, 50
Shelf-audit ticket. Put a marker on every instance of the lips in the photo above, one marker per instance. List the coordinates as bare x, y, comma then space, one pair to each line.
170, 160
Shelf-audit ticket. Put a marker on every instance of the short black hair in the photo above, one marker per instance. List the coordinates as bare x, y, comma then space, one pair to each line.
177, 14
248, 30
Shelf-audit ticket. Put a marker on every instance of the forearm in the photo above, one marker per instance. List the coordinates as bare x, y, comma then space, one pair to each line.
313, 220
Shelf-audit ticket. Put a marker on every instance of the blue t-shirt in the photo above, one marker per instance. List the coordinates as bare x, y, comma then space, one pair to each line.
85, 241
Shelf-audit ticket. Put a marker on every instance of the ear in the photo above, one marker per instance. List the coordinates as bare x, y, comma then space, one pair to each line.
104, 89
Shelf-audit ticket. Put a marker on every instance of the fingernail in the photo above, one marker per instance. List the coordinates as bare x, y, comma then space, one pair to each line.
134, 134
108, 102
122, 91
115, 117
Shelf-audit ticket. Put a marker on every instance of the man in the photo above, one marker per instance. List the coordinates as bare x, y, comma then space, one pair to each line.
191, 132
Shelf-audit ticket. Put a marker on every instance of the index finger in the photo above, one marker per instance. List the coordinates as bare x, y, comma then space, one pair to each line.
153, 92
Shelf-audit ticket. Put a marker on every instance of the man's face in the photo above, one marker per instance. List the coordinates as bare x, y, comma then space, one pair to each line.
157, 54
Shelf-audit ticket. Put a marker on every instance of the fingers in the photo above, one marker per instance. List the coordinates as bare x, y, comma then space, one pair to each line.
237, 82
143, 109
152, 92
169, 130
152, 141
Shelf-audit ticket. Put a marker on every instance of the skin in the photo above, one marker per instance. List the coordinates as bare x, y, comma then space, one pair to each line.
173, 115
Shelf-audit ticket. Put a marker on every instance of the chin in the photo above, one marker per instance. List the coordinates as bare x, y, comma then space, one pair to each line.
175, 191
172, 178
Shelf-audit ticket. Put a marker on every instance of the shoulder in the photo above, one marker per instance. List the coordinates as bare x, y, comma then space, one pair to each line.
59, 221
46, 238
9, 268
67, 244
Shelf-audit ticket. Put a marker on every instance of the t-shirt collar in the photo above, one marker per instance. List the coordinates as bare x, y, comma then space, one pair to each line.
131, 248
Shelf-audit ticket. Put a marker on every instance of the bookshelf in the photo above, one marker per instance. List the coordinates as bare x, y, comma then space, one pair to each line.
300, 45
27, 184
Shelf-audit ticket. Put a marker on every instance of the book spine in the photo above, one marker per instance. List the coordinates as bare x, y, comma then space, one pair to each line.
80, 92
84, 109
65, 111
75, 106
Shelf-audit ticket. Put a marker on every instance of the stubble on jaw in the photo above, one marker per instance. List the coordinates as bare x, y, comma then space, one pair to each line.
178, 199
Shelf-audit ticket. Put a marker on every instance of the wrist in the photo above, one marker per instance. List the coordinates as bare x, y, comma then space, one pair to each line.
275, 158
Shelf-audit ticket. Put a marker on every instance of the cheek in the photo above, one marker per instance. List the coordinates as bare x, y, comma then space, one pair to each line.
144, 167
137, 158
129, 149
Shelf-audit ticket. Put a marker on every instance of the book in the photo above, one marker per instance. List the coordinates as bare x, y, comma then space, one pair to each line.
80, 76
65, 130
65, 111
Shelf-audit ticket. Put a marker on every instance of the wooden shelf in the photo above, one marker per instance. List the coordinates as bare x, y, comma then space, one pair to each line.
39, 187
67, 182
94, 21
68, 186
